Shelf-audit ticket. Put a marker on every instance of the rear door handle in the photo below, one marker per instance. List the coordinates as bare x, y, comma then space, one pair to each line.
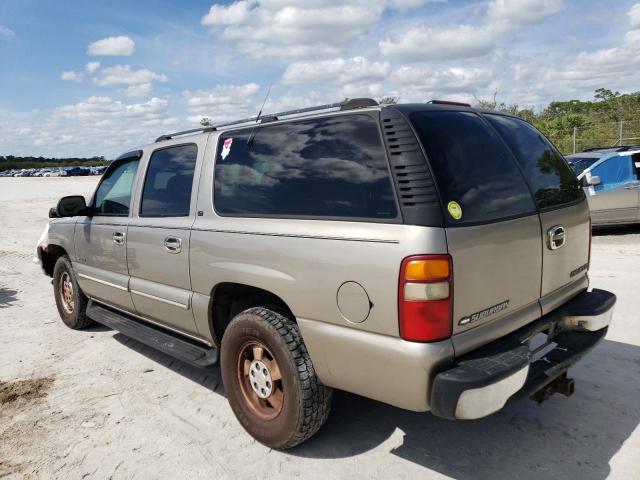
556, 237
118, 238
173, 244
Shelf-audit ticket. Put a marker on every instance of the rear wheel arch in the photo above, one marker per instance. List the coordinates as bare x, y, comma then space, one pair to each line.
228, 299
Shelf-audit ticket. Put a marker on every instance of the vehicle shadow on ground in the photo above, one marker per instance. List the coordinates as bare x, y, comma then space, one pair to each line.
561, 438
8, 297
207, 377
616, 230
97, 327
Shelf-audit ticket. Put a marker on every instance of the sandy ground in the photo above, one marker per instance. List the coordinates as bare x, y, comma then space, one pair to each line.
95, 404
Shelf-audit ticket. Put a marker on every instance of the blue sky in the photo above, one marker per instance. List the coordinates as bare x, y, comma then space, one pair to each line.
95, 78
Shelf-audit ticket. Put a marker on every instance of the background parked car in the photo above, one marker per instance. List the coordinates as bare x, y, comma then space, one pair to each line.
611, 179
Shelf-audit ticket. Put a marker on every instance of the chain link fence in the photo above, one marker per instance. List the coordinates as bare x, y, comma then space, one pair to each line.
608, 134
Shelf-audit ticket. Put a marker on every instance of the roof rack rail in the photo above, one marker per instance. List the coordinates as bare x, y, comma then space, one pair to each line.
349, 104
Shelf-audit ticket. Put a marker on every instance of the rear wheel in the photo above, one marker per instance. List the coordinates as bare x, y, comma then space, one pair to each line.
270, 381
71, 302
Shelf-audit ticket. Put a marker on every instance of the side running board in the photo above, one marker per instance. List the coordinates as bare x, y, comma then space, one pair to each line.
171, 344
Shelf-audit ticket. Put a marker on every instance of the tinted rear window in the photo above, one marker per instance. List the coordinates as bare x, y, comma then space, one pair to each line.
332, 167
552, 181
472, 167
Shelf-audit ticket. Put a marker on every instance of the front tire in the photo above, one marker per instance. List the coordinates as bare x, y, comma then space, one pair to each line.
270, 381
71, 302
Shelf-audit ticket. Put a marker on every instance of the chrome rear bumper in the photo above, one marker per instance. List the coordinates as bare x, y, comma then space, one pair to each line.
483, 381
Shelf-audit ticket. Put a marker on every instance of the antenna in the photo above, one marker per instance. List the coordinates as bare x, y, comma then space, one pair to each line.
253, 130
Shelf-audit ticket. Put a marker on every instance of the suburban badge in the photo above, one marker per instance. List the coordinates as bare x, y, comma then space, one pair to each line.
482, 314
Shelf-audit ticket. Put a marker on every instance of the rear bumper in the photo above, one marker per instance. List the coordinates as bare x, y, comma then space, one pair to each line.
483, 381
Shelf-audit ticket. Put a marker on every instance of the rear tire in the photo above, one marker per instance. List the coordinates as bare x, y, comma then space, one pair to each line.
71, 302
270, 381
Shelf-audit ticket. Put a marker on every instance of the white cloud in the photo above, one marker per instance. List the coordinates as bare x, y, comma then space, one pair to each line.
97, 125
438, 43
101, 108
508, 14
455, 79
337, 70
141, 90
223, 102
634, 16
71, 76
112, 46
408, 4
125, 75
360, 89
232, 14
92, 66
595, 68
6, 32
294, 29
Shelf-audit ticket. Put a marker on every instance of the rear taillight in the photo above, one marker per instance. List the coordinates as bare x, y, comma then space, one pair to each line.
425, 298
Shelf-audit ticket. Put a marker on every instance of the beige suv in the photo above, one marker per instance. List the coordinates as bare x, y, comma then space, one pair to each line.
430, 256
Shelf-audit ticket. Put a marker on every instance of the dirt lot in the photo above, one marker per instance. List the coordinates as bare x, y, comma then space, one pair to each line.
96, 404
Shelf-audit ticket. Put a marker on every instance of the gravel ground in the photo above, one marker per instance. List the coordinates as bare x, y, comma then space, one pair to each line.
95, 404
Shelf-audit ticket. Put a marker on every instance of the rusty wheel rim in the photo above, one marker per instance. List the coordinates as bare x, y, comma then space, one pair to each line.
260, 380
66, 292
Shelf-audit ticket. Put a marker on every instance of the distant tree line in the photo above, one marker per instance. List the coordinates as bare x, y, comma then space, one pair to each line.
597, 122
11, 162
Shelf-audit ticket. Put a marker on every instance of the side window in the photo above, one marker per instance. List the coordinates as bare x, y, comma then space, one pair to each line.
475, 173
113, 196
614, 172
167, 185
330, 167
552, 181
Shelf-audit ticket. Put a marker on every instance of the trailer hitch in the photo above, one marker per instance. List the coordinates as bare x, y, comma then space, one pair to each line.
562, 384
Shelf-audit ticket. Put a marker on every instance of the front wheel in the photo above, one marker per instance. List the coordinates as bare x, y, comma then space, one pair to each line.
270, 381
71, 302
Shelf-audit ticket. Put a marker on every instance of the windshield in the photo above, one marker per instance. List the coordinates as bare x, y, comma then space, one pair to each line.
580, 164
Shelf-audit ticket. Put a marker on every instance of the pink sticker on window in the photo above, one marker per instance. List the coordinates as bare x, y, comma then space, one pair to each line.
226, 148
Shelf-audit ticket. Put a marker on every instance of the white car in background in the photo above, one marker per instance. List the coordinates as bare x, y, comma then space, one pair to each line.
611, 180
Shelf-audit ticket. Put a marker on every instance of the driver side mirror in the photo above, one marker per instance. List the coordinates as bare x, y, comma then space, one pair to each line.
593, 180
70, 206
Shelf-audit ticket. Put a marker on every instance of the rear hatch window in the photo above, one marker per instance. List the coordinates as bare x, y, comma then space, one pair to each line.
552, 181
477, 178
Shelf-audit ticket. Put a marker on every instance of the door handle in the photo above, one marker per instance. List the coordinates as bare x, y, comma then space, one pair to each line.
118, 238
173, 244
631, 186
556, 237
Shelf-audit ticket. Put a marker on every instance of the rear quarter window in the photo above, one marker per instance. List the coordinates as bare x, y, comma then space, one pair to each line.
552, 181
472, 167
331, 167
